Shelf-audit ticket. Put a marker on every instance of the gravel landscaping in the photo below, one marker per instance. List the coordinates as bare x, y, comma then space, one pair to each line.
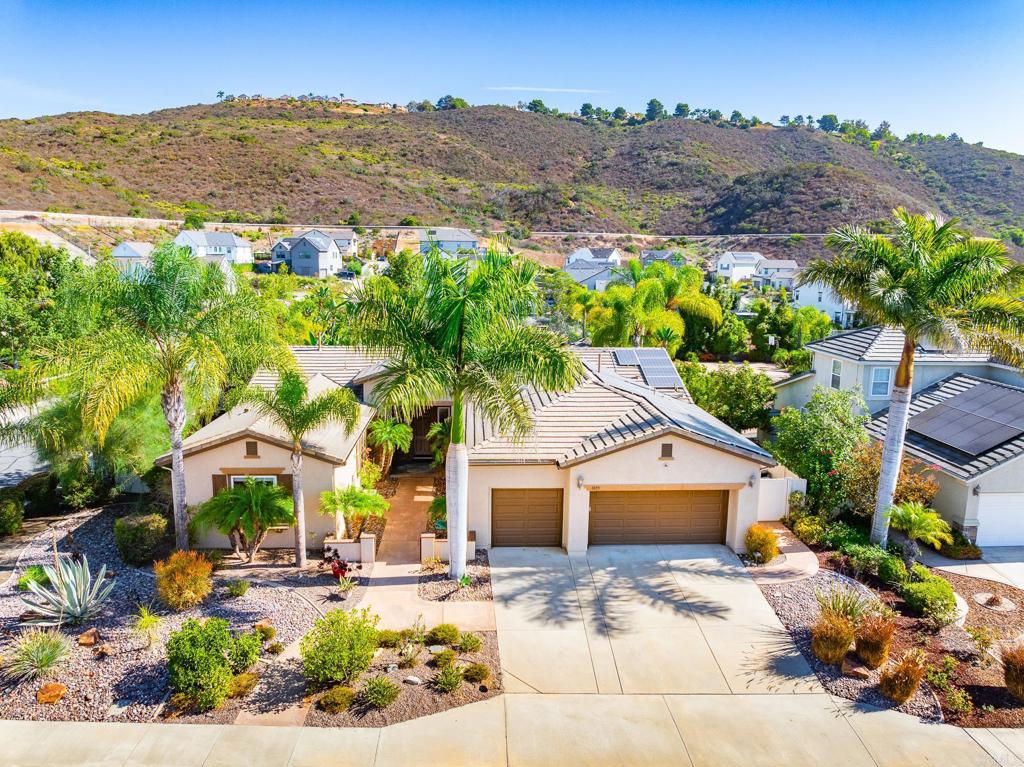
416, 700
797, 607
436, 586
131, 683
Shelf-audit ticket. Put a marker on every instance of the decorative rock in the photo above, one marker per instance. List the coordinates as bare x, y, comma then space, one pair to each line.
51, 693
413, 680
855, 669
89, 638
263, 624
102, 651
392, 668
434, 649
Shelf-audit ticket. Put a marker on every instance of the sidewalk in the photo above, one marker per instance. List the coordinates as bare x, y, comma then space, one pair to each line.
538, 730
799, 563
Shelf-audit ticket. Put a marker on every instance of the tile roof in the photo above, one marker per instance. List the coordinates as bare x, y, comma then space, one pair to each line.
777, 263
582, 270
328, 443
882, 344
130, 249
216, 239
950, 460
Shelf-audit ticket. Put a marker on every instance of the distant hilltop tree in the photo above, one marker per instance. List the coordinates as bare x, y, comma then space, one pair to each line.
451, 102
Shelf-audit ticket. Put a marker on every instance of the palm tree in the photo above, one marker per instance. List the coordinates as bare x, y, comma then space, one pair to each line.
173, 328
351, 504
937, 284
582, 303
920, 525
245, 513
629, 273
389, 435
459, 334
289, 406
439, 435
666, 336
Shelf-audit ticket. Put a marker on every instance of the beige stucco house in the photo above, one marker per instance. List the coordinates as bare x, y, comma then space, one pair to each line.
970, 430
618, 459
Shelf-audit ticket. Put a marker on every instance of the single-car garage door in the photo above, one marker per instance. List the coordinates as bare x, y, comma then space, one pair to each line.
658, 516
1000, 519
526, 517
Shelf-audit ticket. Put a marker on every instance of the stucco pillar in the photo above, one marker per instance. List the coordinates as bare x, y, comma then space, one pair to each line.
742, 513
576, 521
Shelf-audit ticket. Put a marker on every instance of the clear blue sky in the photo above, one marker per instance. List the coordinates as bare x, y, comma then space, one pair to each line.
936, 67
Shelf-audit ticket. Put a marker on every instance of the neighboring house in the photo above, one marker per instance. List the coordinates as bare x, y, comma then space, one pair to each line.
624, 457
867, 358
776, 273
736, 266
608, 256
823, 299
316, 253
670, 257
452, 242
970, 430
226, 245
591, 275
19, 461
130, 256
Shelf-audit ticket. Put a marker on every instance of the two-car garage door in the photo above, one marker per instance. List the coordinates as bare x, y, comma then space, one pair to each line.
658, 516
1000, 519
533, 517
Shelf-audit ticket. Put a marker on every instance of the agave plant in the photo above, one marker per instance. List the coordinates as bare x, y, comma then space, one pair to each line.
72, 596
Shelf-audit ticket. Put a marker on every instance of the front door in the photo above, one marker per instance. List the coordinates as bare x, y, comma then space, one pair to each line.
421, 424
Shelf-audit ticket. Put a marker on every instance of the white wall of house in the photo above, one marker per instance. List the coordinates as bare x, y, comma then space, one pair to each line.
229, 459
734, 269
694, 467
822, 298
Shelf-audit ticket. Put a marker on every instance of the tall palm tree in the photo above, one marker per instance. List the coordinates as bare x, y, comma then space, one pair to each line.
937, 284
389, 435
459, 333
172, 328
629, 273
289, 406
582, 303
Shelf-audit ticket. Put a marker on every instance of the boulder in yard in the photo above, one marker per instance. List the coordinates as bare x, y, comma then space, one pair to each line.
89, 638
102, 650
855, 669
51, 693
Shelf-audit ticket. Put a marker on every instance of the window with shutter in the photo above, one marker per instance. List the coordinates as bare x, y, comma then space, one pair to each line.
220, 482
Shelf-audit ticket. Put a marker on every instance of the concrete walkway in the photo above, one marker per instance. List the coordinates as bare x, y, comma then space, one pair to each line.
799, 561
1002, 564
540, 730
394, 577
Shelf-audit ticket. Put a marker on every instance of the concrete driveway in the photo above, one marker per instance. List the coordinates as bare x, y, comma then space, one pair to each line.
1003, 564
639, 620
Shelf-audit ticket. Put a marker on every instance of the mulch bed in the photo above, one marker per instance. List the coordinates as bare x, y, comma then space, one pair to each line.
416, 700
978, 675
436, 586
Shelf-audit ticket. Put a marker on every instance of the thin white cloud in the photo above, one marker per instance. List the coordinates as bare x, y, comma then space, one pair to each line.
541, 89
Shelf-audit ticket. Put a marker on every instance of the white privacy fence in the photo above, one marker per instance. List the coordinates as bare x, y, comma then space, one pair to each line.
773, 497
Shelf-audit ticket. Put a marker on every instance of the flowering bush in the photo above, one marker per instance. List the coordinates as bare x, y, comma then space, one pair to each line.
860, 480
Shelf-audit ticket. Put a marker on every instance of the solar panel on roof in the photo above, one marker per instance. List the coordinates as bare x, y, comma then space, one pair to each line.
625, 356
974, 421
663, 380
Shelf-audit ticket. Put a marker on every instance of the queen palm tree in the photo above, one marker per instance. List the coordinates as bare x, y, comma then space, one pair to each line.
629, 273
289, 406
389, 435
172, 328
459, 334
582, 303
935, 283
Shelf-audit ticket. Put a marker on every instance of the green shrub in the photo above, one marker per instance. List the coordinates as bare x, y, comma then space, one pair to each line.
33, 574
443, 633
444, 659
378, 692
831, 637
960, 548
139, 537
408, 655
900, 680
940, 675
840, 536
197, 662
275, 648
470, 643
761, 544
36, 653
846, 602
238, 588
865, 560
183, 579
242, 684
448, 680
265, 633
340, 646
959, 701
11, 517
809, 530
337, 699
476, 673
931, 598
244, 651
388, 638
892, 570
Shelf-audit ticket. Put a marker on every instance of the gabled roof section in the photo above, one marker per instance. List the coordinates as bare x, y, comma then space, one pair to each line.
341, 364
203, 238
329, 443
133, 249
950, 460
882, 344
